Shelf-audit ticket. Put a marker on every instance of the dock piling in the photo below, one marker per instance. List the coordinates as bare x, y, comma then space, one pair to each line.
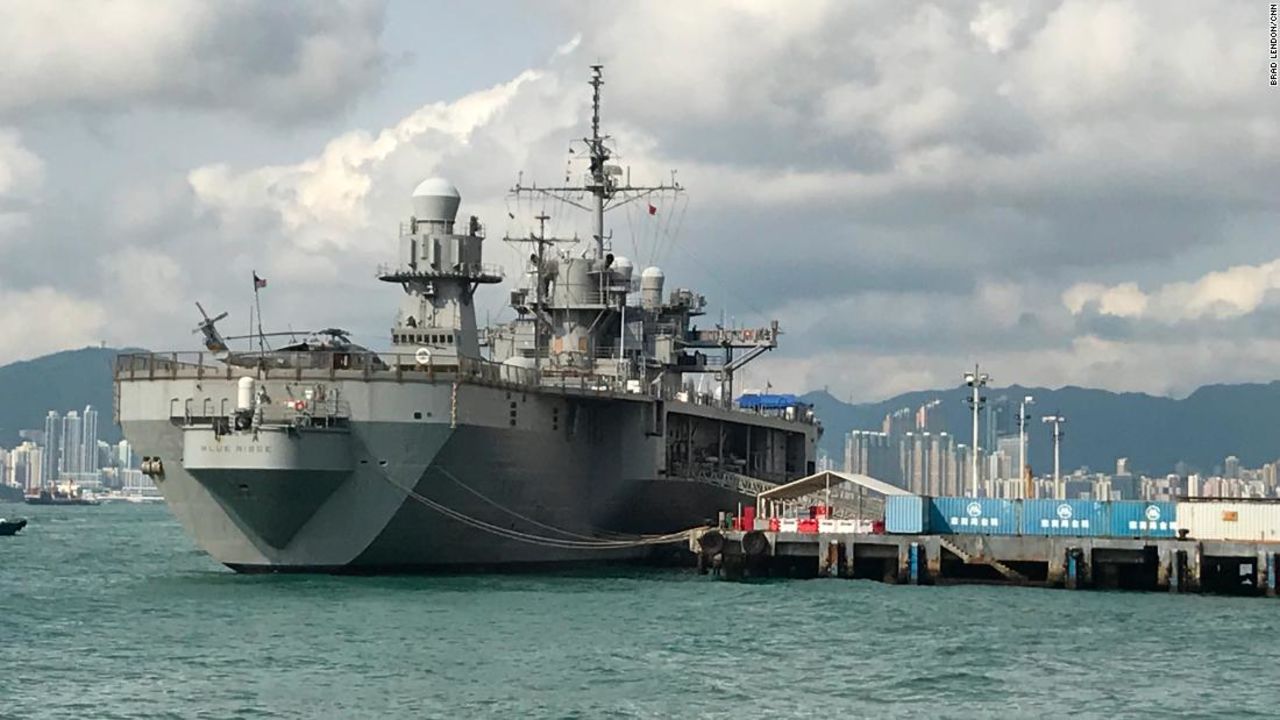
913, 563
1170, 565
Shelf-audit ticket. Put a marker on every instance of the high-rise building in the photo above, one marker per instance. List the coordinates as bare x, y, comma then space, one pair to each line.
939, 449
927, 417
870, 453
1008, 445
124, 454
995, 422
72, 450
89, 440
1231, 467
52, 447
951, 469
25, 466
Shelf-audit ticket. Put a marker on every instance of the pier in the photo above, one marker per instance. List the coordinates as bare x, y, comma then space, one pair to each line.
1153, 564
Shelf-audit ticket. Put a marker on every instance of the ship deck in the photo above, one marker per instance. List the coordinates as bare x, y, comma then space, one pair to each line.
405, 368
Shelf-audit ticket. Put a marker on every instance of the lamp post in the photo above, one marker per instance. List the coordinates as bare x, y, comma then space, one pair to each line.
976, 380
1022, 434
1056, 420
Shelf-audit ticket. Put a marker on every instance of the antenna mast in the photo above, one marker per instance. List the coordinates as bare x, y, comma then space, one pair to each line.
600, 182
599, 154
537, 293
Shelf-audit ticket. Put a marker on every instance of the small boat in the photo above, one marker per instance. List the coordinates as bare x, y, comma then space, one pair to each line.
60, 497
11, 527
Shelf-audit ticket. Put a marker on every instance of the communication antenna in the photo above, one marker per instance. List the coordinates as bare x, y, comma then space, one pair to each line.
1056, 420
605, 183
976, 380
1023, 417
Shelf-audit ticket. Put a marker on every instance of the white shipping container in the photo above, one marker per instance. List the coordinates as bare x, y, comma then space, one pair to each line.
788, 525
1227, 520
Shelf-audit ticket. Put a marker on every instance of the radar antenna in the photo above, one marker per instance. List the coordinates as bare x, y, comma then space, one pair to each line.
602, 183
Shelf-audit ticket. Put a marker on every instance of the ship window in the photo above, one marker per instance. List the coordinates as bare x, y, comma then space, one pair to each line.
450, 339
417, 416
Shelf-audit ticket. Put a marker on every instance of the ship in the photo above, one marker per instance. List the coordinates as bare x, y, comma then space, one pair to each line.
66, 495
598, 425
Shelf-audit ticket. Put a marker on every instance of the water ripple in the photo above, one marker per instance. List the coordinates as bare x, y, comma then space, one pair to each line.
110, 613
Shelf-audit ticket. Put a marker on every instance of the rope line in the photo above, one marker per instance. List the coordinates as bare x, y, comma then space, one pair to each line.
552, 528
511, 534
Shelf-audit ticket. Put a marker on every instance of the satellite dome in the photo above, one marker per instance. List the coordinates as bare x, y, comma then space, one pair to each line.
622, 267
436, 199
652, 271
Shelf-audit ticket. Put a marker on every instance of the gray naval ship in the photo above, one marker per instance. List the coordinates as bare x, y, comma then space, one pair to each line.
574, 433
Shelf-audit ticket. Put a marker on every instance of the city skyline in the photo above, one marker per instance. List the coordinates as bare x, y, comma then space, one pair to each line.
912, 451
68, 452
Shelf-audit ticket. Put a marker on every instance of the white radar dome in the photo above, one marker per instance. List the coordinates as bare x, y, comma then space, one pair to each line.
651, 281
623, 267
436, 199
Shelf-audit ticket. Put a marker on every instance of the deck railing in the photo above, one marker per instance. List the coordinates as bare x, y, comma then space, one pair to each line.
397, 367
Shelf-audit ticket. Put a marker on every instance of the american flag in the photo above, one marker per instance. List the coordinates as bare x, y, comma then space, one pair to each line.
258, 283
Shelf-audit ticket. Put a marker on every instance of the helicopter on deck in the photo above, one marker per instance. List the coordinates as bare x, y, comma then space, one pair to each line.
315, 349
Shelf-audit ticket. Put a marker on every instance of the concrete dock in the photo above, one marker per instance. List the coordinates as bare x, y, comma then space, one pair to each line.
1155, 564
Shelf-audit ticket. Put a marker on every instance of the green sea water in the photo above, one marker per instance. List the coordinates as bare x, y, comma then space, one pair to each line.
111, 612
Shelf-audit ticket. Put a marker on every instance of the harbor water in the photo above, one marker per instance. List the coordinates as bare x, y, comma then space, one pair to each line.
111, 612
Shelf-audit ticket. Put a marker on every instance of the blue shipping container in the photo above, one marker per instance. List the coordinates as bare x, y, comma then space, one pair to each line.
1135, 518
1065, 517
973, 516
906, 515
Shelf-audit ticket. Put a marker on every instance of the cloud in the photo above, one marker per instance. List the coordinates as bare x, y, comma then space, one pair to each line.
907, 187
273, 60
1218, 295
951, 217
320, 200
21, 175
44, 320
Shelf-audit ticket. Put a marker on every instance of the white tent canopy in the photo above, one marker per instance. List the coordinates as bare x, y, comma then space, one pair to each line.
865, 488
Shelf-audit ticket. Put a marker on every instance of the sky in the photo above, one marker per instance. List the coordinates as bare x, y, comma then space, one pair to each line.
1070, 192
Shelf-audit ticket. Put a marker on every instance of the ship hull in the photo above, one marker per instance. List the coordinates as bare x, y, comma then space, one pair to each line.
479, 478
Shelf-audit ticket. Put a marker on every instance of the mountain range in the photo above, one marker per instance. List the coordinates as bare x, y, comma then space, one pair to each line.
1155, 433
63, 381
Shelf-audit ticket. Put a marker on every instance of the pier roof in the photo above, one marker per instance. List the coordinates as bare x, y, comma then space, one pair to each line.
820, 481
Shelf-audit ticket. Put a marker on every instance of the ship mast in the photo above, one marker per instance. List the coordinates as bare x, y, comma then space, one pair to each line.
601, 182
599, 154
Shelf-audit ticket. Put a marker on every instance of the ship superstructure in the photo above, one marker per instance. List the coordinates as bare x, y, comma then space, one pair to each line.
572, 433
